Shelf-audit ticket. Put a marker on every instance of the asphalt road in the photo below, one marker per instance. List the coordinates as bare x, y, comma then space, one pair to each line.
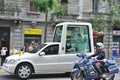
7, 76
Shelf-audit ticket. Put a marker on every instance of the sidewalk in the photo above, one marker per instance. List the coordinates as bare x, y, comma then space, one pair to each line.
1, 69
0, 66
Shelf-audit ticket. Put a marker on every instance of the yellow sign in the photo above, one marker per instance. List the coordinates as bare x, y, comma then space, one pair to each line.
33, 31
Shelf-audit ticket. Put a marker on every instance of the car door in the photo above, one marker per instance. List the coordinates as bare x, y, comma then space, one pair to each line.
48, 63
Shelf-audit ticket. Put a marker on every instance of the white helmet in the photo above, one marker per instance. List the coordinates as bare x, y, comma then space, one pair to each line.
99, 44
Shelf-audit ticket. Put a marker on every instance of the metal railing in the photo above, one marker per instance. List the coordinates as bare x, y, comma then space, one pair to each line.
9, 13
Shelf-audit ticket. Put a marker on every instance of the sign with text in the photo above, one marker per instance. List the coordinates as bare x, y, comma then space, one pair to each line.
33, 31
116, 32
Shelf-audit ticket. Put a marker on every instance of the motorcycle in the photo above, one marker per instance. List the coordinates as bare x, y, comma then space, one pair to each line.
86, 69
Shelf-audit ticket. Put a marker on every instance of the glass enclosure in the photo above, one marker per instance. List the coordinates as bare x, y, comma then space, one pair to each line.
77, 38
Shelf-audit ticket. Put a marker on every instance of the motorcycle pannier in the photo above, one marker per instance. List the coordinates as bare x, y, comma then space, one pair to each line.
113, 69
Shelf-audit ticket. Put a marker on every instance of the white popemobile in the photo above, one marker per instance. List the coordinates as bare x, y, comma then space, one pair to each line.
58, 56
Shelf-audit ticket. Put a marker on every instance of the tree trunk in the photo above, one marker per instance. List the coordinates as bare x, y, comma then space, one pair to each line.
46, 23
108, 43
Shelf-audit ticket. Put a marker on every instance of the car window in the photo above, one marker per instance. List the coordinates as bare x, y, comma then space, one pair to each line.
58, 33
37, 48
51, 50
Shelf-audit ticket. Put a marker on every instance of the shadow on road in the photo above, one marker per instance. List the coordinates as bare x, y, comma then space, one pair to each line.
8, 77
38, 76
50, 76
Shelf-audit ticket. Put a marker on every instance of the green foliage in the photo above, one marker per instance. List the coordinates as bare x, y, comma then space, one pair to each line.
100, 21
58, 12
45, 5
10, 6
97, 23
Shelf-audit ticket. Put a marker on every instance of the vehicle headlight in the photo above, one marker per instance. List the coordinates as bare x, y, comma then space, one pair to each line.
11, 61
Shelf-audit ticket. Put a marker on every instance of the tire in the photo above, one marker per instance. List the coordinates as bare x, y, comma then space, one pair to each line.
76, 76
23, 71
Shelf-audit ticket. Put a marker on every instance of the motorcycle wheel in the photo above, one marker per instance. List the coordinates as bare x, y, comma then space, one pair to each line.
76, 76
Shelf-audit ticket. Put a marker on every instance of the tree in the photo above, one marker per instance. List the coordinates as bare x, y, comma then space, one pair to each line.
110, 19
112, 12
46, 6
58, 12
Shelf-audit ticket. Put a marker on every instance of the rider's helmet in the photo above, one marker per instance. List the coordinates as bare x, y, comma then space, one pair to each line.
100, 45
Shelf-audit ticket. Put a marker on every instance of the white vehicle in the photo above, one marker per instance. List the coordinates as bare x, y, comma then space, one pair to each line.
58, 56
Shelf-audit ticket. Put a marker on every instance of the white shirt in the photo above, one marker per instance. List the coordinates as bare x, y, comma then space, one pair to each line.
3, 52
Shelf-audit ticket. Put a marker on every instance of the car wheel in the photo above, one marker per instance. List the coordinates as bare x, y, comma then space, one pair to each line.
23, 71
76, 76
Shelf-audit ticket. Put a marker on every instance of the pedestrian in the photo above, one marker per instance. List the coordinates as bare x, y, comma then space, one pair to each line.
21, 52
15, 51
30, 48
3, 54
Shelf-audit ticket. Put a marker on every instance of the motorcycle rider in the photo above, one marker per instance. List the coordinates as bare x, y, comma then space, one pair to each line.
99, 56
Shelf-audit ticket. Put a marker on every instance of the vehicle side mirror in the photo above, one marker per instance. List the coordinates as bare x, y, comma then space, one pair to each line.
42, 53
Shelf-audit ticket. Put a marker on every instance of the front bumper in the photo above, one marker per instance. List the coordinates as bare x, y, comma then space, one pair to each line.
10, 68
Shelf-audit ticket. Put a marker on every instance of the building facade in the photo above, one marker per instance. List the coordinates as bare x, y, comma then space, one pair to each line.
21, 25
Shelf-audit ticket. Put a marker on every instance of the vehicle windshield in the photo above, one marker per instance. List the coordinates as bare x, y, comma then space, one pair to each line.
77, 38
37, 48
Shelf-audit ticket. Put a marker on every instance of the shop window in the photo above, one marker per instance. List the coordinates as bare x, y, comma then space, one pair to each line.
35, 40
32, 36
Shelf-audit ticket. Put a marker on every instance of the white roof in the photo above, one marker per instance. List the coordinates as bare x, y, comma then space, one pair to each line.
74, 23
